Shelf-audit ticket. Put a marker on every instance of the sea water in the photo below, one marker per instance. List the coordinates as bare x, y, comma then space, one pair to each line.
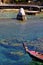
12, 35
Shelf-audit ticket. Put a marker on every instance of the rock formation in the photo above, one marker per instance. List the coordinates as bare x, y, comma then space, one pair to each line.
21, 14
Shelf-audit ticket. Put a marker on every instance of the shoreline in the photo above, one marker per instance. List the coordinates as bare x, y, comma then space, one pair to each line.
14, 10
9, 10
9, 13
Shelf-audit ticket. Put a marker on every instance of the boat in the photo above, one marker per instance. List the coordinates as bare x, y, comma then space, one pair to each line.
34, 54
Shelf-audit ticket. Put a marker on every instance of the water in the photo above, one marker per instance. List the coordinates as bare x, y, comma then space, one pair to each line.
12, 35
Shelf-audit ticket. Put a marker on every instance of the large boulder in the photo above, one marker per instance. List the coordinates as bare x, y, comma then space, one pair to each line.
21, 14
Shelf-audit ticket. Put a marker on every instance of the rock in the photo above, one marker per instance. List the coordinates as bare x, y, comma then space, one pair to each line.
21, 14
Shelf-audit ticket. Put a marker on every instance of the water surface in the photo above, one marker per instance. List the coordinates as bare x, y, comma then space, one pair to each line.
12, 35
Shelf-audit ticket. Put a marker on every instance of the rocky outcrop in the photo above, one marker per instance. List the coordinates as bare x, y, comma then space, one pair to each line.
21, 14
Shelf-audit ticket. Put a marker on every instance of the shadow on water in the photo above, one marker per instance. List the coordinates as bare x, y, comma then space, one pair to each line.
35, 63
11, 56
14, 18
13, 46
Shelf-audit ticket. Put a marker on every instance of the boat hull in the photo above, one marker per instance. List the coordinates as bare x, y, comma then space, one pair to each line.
33, 54
35, 58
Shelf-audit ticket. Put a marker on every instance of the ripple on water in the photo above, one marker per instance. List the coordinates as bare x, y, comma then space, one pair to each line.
13, 33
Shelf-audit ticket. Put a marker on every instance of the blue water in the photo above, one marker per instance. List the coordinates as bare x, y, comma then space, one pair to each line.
12, 35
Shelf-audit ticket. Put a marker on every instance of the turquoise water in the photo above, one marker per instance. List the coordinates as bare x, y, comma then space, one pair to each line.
12, 35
